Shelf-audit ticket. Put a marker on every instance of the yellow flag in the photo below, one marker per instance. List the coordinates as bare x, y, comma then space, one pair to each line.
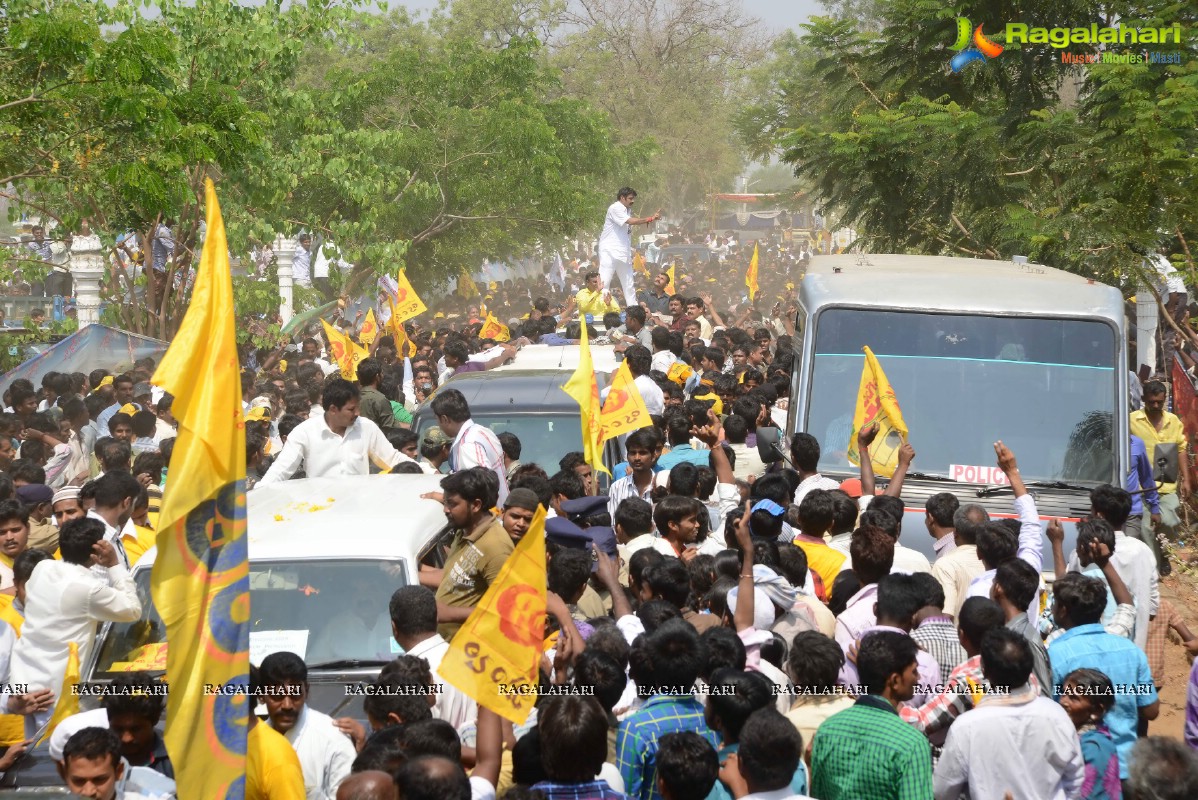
585, 391
670, 285
751, 275
370, 329
345, 351
494, 329
407, 303
876, 403
200, 582
466, 287
624, 409
638, 263
68, 700
494, 656
402, 342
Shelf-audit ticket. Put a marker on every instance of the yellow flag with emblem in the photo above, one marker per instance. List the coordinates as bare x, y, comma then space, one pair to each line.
370, 329
494, 657
201, 582
670, 285
402, 342
345, 351
68, 698
876, 402
638, 263
494, 329
406, 303
466, 287
624, 409
585, 391
751, 275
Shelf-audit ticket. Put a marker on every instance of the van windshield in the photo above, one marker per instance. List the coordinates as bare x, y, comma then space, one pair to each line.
323, 610
1046, 387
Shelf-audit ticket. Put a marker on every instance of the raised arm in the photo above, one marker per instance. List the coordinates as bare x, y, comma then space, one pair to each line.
742, 619
906, 455
865, 438
1030, 548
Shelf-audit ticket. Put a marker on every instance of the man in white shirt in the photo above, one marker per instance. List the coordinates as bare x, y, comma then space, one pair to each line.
337, 442
473, 445
615, 243
301, 262
63, 603
804, 453
325, 753
639, 364
988, 748
115, 493
414, 626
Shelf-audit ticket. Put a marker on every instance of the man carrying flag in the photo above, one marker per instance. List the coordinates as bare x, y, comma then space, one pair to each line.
751, 275
200, 584
585, 391
876, 403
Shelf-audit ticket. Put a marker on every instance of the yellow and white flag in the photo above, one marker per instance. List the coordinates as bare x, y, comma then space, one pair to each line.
876, 403
624, 409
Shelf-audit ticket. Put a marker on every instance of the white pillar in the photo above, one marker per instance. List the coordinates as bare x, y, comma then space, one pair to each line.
87, 268
284, 253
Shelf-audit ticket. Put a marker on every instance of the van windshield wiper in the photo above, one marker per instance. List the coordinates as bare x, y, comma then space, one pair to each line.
349, 663
993, 490
923, 476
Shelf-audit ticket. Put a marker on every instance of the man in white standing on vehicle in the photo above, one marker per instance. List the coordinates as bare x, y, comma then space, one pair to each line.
615, 243
337, 442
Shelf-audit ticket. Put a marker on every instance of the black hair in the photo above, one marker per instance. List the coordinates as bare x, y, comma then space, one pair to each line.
27, 471
113, 488
137, 693
899, 597
669, 580
510, 444
1112, 503
1091, 684
979, 615
568, 572
770, 750
150, 463
844, 513
667, 660
725, 651
281, 667
369, 370
996, 544
115, 454
814, 661
804, 451
432, 777
1006, 658
816, 512
537, 484
634, 516
687, 764
1082, 597
654, 613
889, 504
942, 507
23, 564
13, 509
881, 520
430, 737
603, 674
872, 553
337, 392
734, 696
931, 592
640, 563
882, 654
526, 759
77, 538
475, 483
413, 610
1019, 581
93, 744
1095, 530
452, 404
672, 508
574, 744
567, 484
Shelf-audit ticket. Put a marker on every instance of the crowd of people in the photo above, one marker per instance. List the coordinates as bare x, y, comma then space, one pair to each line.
719, 626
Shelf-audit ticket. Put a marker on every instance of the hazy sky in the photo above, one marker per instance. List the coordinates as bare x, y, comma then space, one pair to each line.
776, 14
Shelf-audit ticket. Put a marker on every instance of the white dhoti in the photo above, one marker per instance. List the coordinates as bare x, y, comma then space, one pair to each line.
611, 264
1147, 321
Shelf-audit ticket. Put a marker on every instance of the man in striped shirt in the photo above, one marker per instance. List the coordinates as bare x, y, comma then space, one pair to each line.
473, 445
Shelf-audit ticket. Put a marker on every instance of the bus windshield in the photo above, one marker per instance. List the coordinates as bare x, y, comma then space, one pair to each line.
1046, 387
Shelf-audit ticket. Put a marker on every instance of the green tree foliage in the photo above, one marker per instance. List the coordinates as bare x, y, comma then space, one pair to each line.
1081, 168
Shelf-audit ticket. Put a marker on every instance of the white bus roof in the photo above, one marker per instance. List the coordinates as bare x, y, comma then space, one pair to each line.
940, 283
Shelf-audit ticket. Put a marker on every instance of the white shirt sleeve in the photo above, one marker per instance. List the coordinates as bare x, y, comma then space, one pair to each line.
116, 601
619, 214
1030, 547
289, 459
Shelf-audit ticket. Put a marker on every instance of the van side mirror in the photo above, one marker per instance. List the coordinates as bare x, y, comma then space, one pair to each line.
768, 445
1165, 465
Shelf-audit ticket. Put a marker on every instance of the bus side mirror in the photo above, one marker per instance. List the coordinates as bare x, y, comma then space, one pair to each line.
1165, 466
768, 447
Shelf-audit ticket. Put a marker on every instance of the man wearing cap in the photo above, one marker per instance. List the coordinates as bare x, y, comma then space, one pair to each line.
66, 506
38, 498
518, 510
143, 394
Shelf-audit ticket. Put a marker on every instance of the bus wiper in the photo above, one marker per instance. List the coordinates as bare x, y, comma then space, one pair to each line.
993, 490
349, 663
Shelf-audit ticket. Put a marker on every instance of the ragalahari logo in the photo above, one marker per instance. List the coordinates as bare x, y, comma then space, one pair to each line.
981, 50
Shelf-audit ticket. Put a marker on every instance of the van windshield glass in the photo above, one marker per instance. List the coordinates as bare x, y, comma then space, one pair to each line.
1046, 387
325, 610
